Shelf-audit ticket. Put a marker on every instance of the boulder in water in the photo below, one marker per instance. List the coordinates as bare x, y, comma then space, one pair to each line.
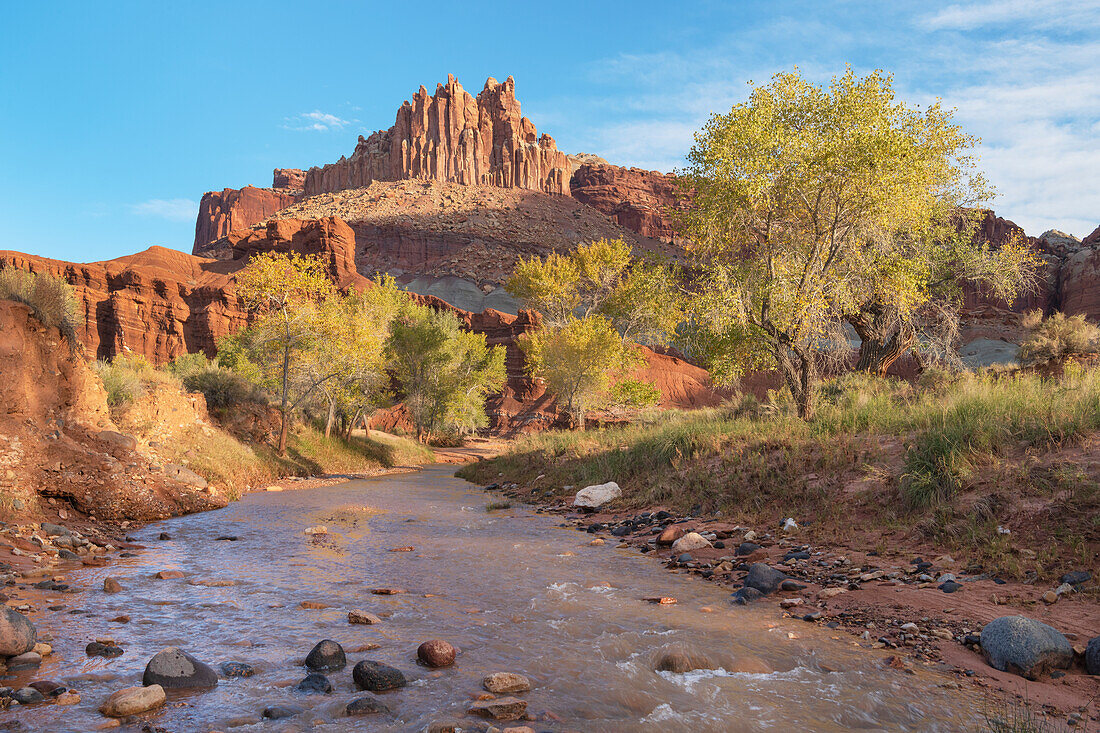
133, 700
175, 669
365, 706
326, 657
436, 653
377, 677
680, 661
506, 682
17, 634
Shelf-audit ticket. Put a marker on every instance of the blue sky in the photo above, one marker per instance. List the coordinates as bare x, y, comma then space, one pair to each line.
117, 117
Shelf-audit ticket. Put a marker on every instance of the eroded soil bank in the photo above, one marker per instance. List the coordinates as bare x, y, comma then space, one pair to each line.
512, 590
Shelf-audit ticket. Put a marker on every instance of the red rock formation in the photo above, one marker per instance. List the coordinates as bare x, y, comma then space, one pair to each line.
997, 232
220, 212
452, 136
288, 178
1092, 239
1080, 283
159, 303
636, 199
329, 239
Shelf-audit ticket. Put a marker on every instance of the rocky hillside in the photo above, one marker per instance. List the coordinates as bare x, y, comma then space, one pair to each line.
220, 212
60, 452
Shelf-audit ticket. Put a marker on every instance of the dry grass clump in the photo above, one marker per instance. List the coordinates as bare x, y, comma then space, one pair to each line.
1057, 338
51, 299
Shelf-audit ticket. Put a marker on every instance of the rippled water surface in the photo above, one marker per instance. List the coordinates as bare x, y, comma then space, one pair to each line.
512, 589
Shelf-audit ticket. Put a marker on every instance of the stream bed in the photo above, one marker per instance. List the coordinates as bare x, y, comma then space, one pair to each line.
513, 589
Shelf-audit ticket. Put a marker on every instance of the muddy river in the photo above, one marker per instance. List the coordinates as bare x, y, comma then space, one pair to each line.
514, 590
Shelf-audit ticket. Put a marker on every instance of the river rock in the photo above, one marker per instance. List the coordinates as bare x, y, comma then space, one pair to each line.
362, 617
1025, 646
597, 495
669, 535
436, 653
1092, 656
326, 657
237, 669
680, 661
745, 596
377, 677
111, 585
315, 682
169, 574
133, 700
365, 706
278, 712
764, 578
17, 634
48, 687
99, 649
506, 682
690, 541
175, 669
501, 708
28, 696
26, 660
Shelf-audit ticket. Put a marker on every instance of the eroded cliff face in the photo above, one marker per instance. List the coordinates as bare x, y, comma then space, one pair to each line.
454, 137
639, 200
221, 212
57, 439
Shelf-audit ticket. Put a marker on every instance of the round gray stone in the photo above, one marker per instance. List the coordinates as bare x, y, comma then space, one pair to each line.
173, 668
1025, 646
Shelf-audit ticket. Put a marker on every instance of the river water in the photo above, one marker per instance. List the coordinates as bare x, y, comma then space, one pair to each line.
512, 589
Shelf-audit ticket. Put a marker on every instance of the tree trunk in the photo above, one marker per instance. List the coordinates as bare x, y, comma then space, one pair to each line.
800, 374
330, 418
283, 431
880, 344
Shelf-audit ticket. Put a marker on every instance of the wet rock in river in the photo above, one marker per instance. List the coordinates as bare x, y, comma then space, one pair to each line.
745, 596
111, 585
26, 660
365, 706
680, 661
17, 634
164, 536
48, 687
99, 649
278, 712
133, 700
501, 708
327, 656
1024, 646
362, 617
377, 677
175, 669
237, 669
28, 696
315, 682
506, 682
764, 578
436, 653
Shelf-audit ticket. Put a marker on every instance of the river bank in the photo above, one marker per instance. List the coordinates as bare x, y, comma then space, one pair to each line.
510, 588
919, 604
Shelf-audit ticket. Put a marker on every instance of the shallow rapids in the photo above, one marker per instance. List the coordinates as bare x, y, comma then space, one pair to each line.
513, 590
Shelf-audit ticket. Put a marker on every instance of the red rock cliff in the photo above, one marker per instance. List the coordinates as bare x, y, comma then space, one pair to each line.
454, 137
220, 212
636, 199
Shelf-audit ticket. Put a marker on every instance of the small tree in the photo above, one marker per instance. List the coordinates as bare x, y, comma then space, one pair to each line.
579, 361
285, 291
815, 205
445, 372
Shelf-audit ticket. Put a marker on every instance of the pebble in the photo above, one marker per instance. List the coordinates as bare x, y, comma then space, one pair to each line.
237, 669
326, 656
315, 682
365, 706
377, 677
501, 708
111, 585
362, 617
133, 700
278, 712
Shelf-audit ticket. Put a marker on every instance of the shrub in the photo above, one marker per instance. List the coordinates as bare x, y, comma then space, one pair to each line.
185, 365
1057, 338
222, 388
51, 299
123, 385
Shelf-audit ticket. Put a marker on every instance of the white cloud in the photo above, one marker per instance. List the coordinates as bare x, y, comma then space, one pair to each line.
1037, 13
317, 121
171, 209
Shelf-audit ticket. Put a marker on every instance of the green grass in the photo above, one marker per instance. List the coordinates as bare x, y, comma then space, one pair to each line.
948, 428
